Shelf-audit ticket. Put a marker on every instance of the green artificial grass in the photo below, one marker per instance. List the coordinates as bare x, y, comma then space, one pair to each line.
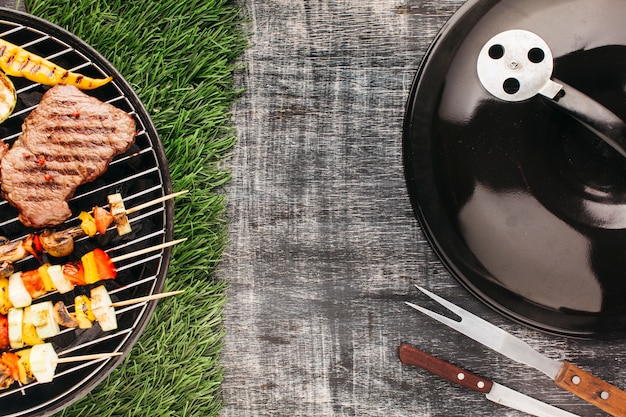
179, 56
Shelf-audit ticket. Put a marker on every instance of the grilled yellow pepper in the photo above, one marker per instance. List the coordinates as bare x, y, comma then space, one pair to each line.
88, 224
24, 365
5, 303
45, 277
18, 62
8, 97
84, 314
29, 333
91, 269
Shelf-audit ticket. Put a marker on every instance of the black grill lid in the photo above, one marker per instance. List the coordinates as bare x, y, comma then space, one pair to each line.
140, 175
524, 202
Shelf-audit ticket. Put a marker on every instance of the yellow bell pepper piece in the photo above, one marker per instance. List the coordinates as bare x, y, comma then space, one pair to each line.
88, 224
23, 365
8, 97
29, 332
91, 268
82, 309
45, 277
18, 62
5, 303
29, 335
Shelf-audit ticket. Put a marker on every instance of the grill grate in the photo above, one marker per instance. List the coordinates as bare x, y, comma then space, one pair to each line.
140, 175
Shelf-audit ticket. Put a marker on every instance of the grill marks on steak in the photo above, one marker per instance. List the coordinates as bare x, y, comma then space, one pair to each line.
68, 140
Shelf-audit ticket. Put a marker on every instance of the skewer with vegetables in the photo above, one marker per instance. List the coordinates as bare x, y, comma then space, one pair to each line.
39, 363
61, 243
21, 288
31, 325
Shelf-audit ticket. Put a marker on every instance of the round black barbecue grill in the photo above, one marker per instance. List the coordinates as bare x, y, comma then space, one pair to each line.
140, 175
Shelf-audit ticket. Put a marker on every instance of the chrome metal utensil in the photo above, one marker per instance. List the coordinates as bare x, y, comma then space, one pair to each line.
564, 374
410, 355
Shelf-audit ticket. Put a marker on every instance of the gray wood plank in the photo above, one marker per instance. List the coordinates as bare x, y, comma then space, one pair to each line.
13, 4
325, 247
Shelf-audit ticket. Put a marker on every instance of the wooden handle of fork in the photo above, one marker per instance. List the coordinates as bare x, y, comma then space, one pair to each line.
592, 389
410, 355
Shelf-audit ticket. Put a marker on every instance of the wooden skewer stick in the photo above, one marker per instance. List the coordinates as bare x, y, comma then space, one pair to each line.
146, 250
87, 357
155, 201
146, 298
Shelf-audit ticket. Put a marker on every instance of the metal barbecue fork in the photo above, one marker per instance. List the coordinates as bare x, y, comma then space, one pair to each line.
564, 374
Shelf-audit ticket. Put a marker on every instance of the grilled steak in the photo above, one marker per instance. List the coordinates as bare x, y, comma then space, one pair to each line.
68, 140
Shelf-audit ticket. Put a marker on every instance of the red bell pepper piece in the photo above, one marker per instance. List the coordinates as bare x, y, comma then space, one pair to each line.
102, 218
4, 332
10, 360
33, 283
106, 269
74, 272
33, 246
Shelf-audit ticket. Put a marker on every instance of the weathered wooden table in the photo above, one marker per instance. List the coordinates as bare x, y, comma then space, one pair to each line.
325, 248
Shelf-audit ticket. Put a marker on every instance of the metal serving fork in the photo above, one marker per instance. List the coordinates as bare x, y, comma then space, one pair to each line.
566, 375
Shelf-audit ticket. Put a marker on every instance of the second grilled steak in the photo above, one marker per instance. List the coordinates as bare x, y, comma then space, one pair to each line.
68, 140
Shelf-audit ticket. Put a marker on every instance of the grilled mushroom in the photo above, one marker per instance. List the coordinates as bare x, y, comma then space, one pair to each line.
58, 244
5, 378
62, 316
12, 251
6, 269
